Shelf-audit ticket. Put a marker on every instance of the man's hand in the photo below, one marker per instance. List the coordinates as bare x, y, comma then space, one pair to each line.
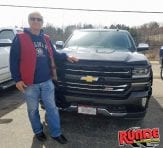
20, 86
72, 59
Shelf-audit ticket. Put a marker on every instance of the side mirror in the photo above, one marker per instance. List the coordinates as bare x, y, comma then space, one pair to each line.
59, 44
5, 42
142, 47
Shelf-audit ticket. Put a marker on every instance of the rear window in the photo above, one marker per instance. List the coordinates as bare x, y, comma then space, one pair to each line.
7, 34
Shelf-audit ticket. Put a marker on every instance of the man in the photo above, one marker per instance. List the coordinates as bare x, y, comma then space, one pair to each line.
32, 59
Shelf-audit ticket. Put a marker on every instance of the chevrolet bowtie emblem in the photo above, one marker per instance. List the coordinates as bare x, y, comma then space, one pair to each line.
89, 78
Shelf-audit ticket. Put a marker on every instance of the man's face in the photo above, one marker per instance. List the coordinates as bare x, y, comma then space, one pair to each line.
35, 21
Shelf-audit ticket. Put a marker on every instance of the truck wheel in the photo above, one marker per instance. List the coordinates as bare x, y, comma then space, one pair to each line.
161, 73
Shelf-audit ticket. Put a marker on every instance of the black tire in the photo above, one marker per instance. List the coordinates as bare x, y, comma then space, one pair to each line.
151, 76
161, 73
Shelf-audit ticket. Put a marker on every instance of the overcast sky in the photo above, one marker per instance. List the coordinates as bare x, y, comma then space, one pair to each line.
18, 16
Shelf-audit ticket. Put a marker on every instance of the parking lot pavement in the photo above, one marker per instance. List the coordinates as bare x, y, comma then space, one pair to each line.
82, 131
156, 69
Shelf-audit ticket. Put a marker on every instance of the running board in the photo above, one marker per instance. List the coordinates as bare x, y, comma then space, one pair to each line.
7, 84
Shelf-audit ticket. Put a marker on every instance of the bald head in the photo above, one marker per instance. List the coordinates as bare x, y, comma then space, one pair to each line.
35, 21
33, 14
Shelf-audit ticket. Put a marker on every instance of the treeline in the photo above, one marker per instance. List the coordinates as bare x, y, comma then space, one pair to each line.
150, 33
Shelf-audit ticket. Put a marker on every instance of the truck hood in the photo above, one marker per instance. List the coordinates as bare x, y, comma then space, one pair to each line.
107, 55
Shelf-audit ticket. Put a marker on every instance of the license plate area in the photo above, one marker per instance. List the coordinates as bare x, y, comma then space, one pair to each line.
87, 110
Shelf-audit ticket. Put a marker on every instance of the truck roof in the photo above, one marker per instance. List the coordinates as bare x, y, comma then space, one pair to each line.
10, 28
102, 30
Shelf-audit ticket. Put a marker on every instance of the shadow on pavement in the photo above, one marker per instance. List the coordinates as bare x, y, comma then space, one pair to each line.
38, 144
4, 121
49, 143
10, 99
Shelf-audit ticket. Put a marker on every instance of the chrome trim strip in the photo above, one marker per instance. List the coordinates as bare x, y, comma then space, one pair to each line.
106, 112
105, 89
141, 83
99, 111
81, 84
127, 72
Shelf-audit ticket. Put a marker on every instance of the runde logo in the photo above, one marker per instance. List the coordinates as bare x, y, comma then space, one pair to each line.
137, 137
89, 78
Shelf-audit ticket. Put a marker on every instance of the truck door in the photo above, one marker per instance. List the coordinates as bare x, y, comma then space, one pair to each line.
4, 55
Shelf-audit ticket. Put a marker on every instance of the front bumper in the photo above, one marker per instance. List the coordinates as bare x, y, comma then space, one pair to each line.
7, 84
133, 97
110, 113
121, 108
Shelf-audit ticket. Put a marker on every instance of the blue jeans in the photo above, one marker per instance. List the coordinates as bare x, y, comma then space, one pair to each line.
45, 90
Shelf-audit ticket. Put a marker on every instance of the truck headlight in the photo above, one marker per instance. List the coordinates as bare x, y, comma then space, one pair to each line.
140, 72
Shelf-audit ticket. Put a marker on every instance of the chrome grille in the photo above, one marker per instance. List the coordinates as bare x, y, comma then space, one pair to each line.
112, 80
98, 70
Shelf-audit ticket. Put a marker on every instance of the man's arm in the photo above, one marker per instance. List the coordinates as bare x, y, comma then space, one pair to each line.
59, 56
15, 59
63, 56
15, 64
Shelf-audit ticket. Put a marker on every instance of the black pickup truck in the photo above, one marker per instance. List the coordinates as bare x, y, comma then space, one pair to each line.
110, 78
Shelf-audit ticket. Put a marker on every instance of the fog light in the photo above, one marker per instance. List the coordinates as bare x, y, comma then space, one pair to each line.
143, 102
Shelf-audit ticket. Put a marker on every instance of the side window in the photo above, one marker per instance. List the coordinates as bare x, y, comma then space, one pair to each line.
7, 34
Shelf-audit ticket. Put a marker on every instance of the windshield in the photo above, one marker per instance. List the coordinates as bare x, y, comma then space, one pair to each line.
101, 40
